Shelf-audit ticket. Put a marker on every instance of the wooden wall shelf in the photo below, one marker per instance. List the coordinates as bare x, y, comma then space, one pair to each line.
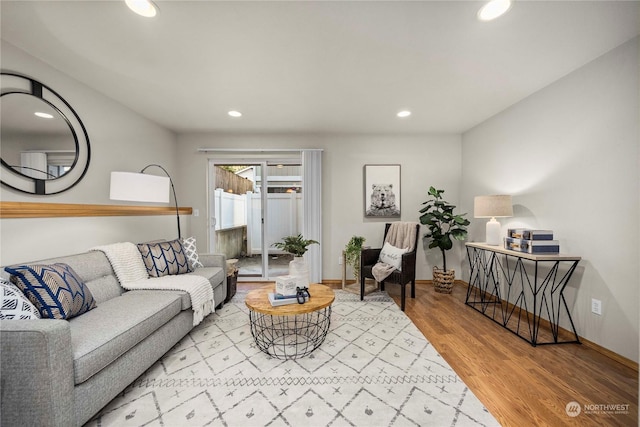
62, 210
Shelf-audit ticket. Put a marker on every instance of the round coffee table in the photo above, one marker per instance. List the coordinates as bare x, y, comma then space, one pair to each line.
290, 331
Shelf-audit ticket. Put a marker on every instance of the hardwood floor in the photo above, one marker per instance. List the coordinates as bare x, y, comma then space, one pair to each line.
519, 384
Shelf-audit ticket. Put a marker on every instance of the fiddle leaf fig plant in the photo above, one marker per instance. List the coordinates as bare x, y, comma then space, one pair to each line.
295, 245
352, 254
443, 224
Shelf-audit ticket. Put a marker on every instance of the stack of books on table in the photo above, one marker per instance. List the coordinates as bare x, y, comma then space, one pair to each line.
286, 288
531, 241
279, 299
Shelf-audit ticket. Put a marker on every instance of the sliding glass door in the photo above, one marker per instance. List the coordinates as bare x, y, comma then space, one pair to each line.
253, 204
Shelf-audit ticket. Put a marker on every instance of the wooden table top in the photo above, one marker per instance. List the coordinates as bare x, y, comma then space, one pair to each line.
321, 296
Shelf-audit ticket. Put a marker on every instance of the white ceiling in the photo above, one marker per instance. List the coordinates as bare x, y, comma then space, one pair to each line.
330, 66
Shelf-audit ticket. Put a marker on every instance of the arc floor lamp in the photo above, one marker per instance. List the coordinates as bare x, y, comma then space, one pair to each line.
141, 187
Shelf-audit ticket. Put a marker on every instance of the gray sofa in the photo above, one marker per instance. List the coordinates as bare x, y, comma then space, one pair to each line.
61, 373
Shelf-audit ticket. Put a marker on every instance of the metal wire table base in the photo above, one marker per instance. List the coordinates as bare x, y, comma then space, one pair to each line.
290, 337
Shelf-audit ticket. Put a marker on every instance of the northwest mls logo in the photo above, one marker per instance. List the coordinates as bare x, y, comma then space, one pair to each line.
573, 409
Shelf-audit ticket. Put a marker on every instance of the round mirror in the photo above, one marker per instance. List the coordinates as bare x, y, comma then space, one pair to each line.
45, 147
37, 141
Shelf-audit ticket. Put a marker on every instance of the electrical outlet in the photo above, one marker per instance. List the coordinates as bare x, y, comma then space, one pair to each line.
339, 260
596, 306
196, 212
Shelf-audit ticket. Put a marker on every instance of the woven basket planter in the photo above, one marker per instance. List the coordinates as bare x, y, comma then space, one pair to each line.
443, 280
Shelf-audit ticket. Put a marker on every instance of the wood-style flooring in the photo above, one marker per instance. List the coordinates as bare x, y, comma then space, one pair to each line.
519, 384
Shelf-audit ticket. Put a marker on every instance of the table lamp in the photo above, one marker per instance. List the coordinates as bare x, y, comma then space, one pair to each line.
492, 207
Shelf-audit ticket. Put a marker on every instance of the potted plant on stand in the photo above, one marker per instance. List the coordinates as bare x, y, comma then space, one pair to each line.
351, 255
297, 246
444, 226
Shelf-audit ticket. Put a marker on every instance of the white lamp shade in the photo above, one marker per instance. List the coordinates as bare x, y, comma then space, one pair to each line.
139, 187
492, 206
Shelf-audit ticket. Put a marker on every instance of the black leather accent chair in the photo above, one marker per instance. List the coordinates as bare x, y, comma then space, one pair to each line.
369, 258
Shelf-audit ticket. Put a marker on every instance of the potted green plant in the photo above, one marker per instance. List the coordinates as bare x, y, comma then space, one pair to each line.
297, 246
444, 227
352, 255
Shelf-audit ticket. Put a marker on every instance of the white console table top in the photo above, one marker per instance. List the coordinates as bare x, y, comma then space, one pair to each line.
532, 257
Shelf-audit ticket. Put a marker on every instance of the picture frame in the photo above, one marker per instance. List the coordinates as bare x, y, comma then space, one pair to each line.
381, 191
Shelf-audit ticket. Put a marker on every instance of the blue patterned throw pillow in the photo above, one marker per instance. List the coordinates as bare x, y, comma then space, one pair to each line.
165, 258
55, 289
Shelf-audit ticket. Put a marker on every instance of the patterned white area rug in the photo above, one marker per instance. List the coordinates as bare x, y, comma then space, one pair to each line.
375, 368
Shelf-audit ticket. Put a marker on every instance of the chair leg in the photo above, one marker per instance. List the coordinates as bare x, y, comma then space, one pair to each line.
413, 288
402, 295
361, 288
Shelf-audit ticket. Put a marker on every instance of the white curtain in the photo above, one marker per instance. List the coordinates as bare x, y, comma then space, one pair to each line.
34, 164
312, 202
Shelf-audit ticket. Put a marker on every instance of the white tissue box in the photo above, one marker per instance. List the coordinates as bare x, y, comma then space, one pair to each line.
286, 285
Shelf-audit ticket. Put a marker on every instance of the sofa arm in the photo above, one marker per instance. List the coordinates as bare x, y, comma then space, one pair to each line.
213, 260
36, 373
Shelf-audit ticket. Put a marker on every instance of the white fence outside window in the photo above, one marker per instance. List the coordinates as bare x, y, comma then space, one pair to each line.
237, 210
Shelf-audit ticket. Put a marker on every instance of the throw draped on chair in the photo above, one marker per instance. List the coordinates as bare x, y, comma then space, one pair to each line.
391, 265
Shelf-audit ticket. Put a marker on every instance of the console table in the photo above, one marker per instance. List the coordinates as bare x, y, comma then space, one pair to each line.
521, 291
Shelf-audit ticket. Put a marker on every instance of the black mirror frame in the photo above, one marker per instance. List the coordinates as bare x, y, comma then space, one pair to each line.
15, 180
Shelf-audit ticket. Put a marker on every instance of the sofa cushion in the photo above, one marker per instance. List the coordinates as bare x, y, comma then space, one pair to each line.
213, 274
104, 288
13, 303
216, 275
55, 289
102, 335
94, 269
164, 258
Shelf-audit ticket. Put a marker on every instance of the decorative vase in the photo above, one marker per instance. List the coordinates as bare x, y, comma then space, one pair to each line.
298, 269
443, 280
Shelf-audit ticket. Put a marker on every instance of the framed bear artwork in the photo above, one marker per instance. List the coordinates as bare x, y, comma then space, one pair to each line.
382, 191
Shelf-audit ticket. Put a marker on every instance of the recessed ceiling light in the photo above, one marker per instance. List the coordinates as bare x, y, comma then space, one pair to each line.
43, 115
493, 9
144, 8
404, 113
234, 113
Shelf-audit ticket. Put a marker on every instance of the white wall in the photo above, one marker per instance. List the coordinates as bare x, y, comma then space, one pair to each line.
425, 160
569, 156
120, 140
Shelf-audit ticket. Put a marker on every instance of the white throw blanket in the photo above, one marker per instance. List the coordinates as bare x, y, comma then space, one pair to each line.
402, 235
132, 274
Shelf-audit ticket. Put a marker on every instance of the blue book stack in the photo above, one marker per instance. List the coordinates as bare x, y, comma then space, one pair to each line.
531, 241
526, 234
280, 296
275, 302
